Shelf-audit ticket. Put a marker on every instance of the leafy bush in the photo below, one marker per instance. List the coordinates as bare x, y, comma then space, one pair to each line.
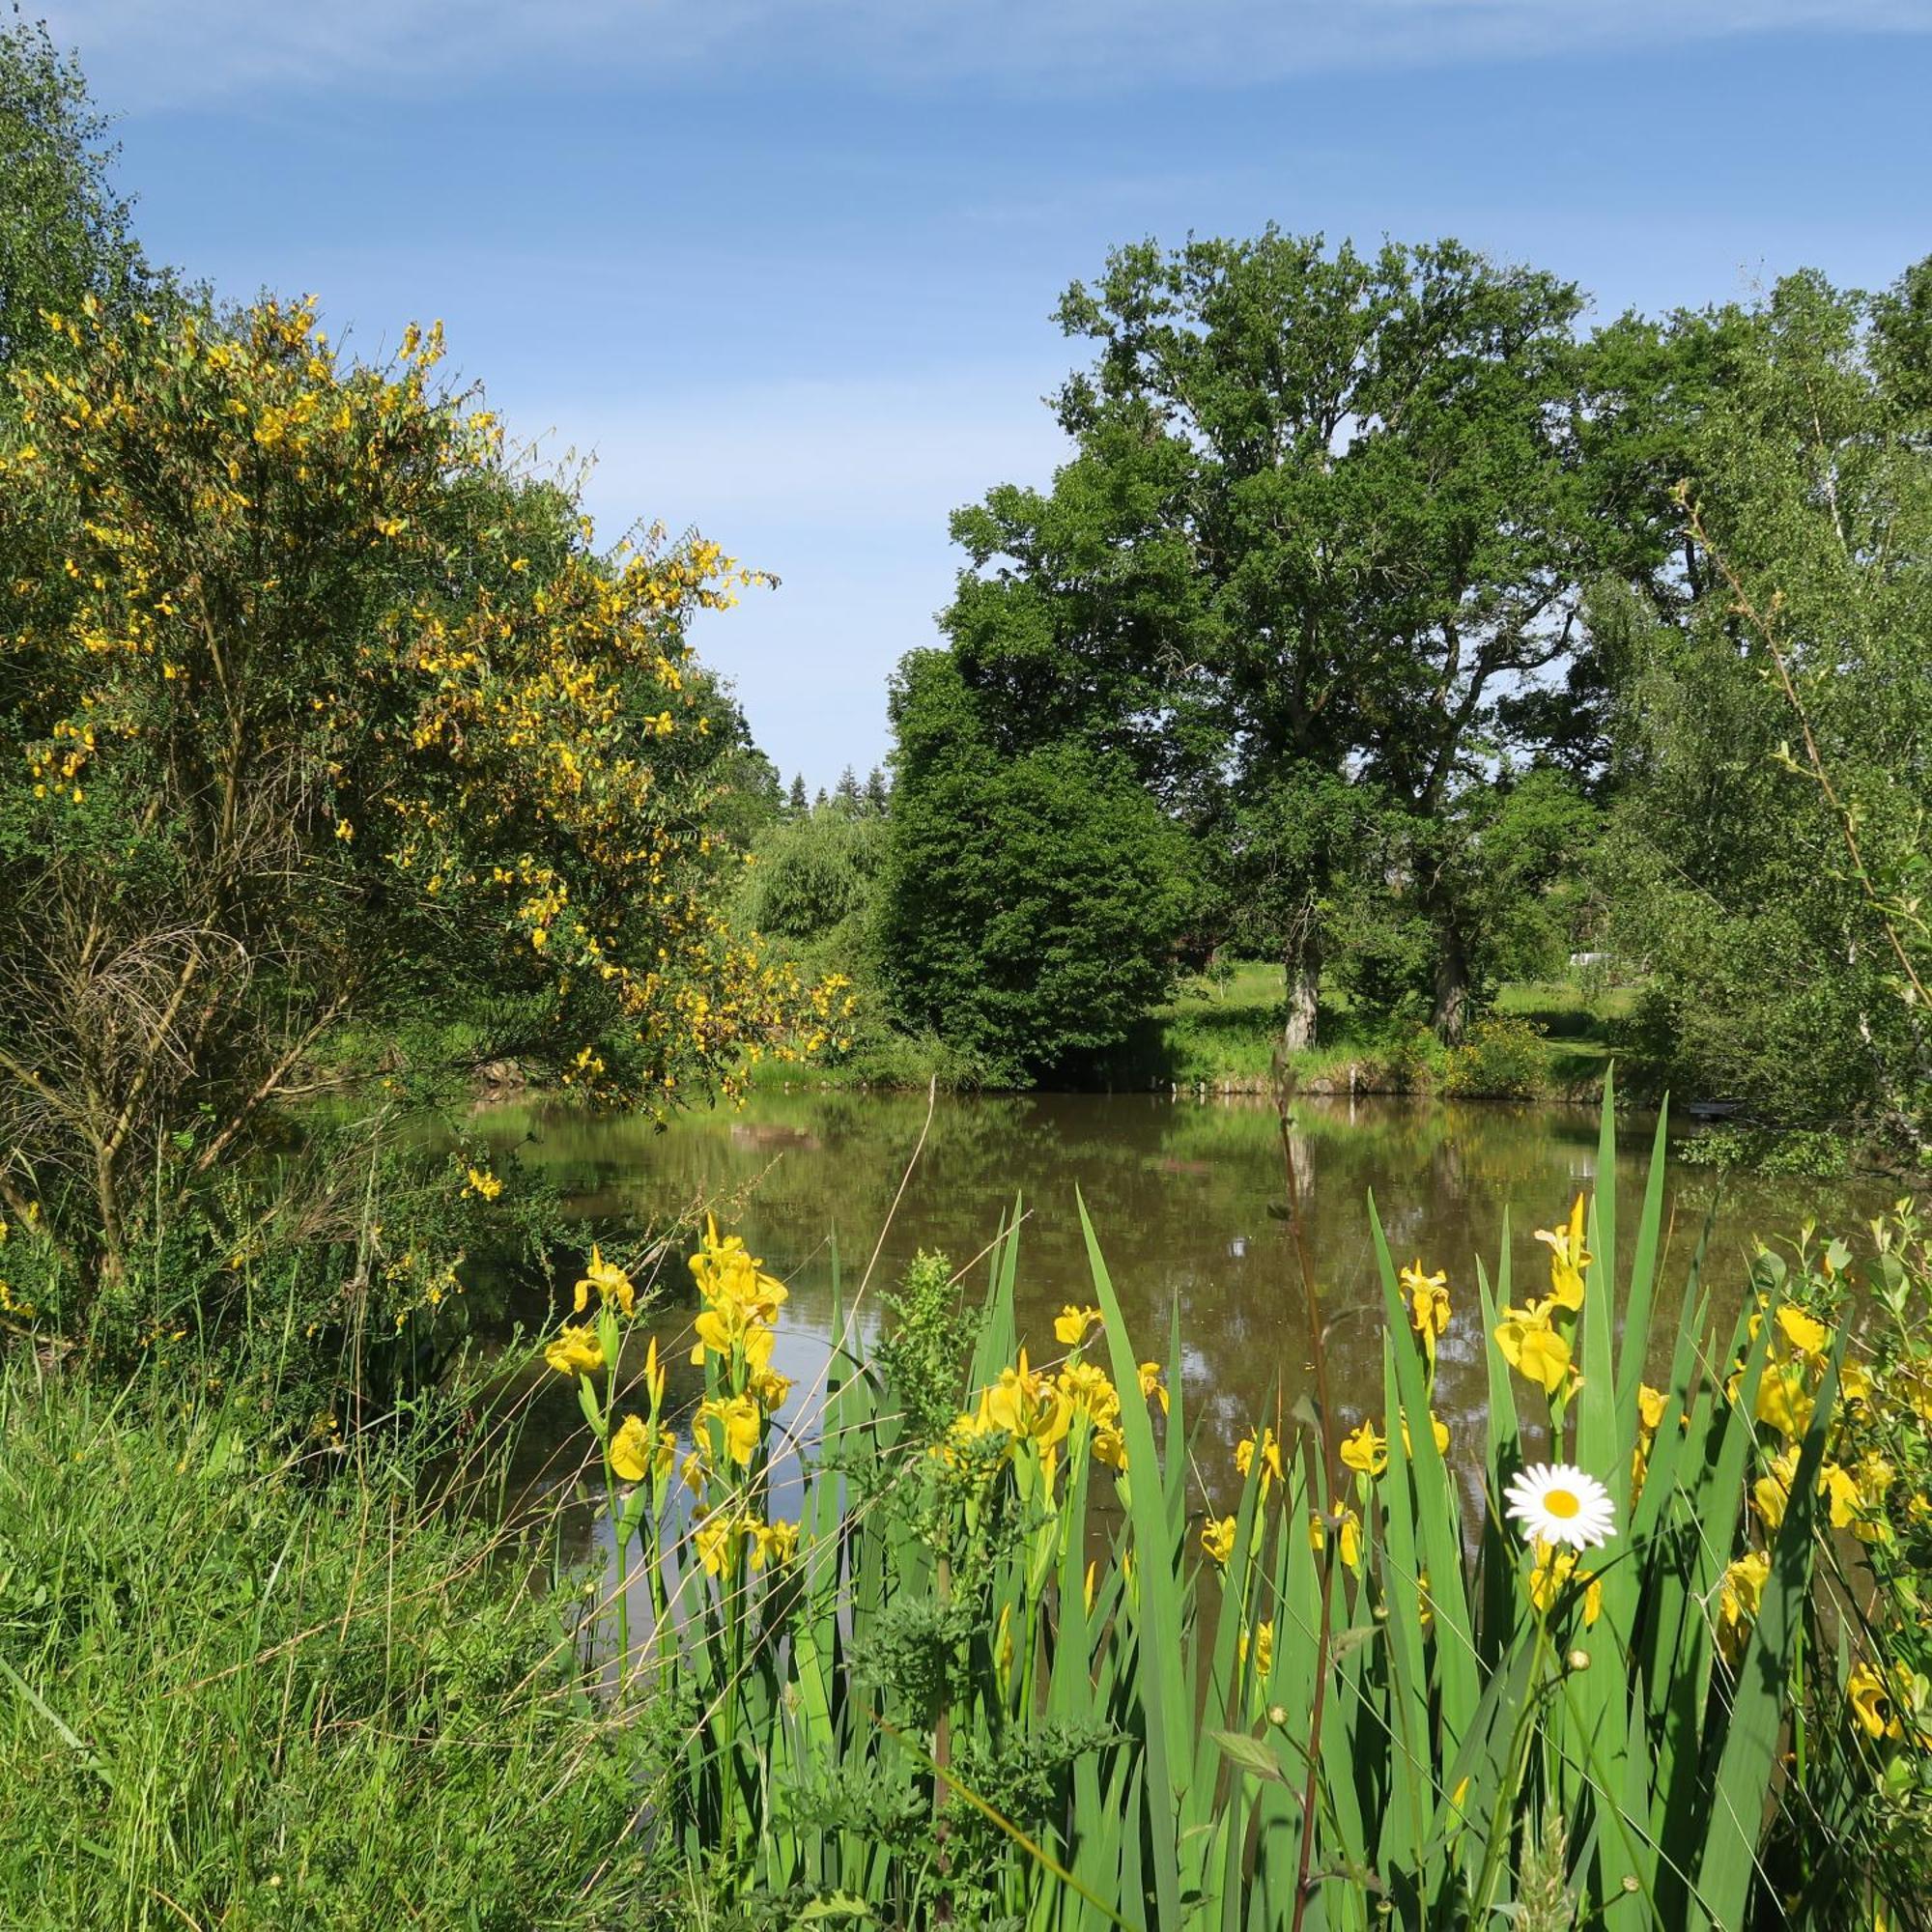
443, 759
1503, 1059
1798, 1151
1031, 904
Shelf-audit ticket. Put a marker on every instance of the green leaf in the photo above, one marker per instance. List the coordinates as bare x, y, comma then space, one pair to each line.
1166, 1692
1253, 1755
1749, 1759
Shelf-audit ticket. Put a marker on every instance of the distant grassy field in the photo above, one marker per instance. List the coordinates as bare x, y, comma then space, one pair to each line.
1220, 1031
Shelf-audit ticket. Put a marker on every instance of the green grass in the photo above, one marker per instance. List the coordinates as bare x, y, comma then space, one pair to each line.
1221, 1031
242, 1688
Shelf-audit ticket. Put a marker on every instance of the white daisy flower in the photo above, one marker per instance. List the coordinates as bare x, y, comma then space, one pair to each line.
1561, 1504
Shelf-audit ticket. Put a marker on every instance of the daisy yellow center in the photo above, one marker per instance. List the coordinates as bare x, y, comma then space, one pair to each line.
1561, 1502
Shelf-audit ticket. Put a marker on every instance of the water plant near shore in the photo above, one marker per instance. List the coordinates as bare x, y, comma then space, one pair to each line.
999, 1670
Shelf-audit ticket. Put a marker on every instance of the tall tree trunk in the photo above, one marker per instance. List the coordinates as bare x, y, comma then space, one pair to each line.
1452, 985
1304, 974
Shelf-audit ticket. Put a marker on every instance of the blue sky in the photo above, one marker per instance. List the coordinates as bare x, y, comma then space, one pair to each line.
784, 268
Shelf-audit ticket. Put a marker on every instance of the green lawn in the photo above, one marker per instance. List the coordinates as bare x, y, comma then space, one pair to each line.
1220, 1030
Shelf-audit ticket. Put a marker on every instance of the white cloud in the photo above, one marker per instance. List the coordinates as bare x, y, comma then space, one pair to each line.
140, 55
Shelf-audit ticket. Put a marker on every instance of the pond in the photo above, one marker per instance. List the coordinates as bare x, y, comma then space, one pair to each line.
1186, 1197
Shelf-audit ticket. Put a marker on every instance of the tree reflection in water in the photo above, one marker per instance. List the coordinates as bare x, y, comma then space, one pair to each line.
1189, 1201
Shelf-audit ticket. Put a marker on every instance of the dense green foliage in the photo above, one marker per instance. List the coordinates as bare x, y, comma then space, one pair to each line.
1031, 901
1451, 641
1323, 522
1773, 762
65, 233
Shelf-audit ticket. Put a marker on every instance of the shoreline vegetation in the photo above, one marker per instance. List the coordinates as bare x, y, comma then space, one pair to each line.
916, 1664
1221, 1034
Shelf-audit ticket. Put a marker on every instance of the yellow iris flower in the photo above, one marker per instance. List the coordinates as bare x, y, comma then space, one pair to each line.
1152, 1387
576, 1352
1804, 1332
769, 1389
1071, 1324
1873, 1704
1771, 1491
1438, 1427
610, 1281
1350, 1543
1027, 1406
1532, 1346
1428, 1303
1551, 1573
1739, 1596
776, 1543
1569, 1259
640, 1449
1217, 1537
743, 1423
1262, 1647
1264, 1443
1783, 1401
1366, 1451
1089, 1392
725, 1272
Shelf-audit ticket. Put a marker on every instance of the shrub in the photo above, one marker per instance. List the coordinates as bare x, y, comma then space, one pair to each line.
1796, 1150
442, 758
1503, 1059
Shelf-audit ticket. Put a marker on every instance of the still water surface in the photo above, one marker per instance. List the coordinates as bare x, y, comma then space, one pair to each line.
1180, 1193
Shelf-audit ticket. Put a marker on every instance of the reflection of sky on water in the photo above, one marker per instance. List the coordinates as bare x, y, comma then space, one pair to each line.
1187, 1201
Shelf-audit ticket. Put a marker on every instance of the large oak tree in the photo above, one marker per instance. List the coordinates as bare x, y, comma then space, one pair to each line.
1323, 532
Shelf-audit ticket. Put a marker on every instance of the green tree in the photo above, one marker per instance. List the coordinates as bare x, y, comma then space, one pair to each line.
310, 714
813, 882
796, 801
1323, 518
1031, 901
1773, 699
63, 232
746, 793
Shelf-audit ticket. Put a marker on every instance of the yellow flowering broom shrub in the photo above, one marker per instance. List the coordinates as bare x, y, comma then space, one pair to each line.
314, 710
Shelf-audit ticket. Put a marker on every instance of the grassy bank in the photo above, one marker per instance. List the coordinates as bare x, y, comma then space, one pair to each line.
1541, 1039
245, 1685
